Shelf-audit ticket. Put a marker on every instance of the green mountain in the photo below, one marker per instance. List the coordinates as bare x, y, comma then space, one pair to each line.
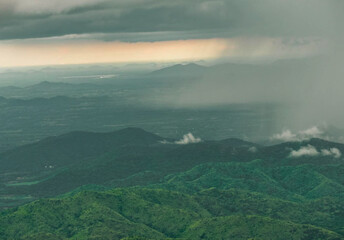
254, 227
132, 156
289, 182
132, 184
161, 214
72, 148
123, 158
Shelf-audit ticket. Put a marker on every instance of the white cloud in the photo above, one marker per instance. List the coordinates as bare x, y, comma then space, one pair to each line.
252, 149
309, 150
187, 139
286, 135
335, 152
165, 142
326, 152
289, 136
311, 132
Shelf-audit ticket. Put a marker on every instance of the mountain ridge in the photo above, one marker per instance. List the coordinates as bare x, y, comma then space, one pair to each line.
133, 156
180, 70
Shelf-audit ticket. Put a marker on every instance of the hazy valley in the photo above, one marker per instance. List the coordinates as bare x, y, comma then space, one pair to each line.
171, 120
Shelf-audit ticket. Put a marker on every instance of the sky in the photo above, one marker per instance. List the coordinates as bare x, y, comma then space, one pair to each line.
64, 32
41, 32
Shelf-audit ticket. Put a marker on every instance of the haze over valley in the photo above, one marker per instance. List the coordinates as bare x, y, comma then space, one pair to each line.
198, 119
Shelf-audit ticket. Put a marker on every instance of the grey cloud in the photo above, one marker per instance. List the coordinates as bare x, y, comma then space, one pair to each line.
210, 18
28, 7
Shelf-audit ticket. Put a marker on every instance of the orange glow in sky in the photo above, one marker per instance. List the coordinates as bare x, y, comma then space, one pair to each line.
36, 54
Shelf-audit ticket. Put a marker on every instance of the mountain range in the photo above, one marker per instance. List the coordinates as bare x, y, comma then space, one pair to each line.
133, 184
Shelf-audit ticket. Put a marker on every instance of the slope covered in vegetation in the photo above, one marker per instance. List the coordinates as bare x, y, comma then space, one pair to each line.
159, 214
137, 185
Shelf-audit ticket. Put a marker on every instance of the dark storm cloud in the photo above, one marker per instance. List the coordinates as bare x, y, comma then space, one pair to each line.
200, 18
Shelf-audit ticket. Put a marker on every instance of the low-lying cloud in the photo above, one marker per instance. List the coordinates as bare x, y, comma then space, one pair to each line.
187, 139
253, 149
286, 135
332, 152
311, 151
289, 136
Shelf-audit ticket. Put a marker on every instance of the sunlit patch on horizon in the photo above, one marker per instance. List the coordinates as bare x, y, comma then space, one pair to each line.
32, 54
71, 50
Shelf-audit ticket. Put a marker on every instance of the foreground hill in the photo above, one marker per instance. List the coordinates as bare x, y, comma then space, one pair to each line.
161, 214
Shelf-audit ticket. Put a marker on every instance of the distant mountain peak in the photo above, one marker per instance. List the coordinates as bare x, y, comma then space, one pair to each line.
189, 69
192, 65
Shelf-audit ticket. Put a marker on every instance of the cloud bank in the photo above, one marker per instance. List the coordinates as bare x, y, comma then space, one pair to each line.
311, 151
263, 33
210, 18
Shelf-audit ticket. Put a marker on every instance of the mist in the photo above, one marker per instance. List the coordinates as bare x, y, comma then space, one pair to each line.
308, 84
